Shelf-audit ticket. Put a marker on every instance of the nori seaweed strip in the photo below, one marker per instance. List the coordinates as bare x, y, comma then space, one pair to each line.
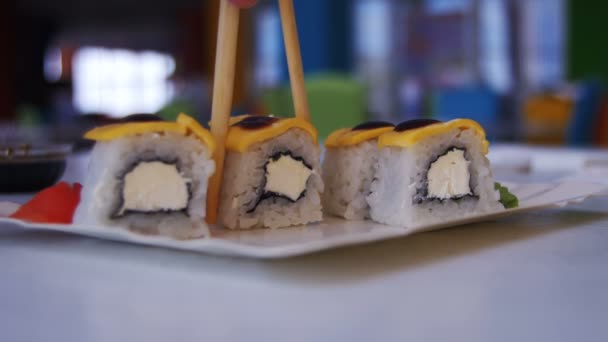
271, 194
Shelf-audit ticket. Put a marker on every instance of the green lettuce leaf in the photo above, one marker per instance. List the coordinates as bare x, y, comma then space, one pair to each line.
507, 199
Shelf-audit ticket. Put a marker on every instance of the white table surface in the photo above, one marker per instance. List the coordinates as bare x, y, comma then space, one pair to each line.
534, 277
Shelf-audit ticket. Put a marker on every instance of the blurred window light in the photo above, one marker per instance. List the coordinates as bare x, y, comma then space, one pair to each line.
373, 29
269, 49
53, 68
494, 45
439, 7
373, 39
543, 42
119, 82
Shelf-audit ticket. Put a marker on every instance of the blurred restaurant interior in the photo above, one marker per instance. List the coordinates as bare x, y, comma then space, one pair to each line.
532, 71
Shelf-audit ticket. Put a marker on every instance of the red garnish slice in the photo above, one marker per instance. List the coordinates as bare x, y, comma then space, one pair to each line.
51, 205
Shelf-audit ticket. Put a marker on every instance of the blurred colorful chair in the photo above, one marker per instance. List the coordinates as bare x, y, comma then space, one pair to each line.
546, 118
335, 101
172, 110
275, 101
601, 128
586, 113
475, 102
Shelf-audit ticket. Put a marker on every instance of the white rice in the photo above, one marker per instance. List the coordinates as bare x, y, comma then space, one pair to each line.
101, 195
348, 173
244, 176
400, 172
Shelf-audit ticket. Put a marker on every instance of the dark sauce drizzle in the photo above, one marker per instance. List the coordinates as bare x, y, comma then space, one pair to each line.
121, 183
372, 125
422, 192
270, 194
256, 122
413, 124
141, 118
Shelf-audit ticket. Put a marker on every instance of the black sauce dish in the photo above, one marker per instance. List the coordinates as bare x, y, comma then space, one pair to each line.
30, 168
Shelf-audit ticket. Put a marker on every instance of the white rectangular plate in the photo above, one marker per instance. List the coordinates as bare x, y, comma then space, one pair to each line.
331, 233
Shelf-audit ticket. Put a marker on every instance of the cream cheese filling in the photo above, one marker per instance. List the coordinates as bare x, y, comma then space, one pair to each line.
286, 176
449, 177
154, 186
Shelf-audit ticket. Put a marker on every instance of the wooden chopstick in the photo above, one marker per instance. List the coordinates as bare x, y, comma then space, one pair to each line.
294, 59
223, 86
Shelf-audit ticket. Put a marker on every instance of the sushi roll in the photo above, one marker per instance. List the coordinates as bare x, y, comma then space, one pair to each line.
348, 169
419, 172
271, 174
149, 177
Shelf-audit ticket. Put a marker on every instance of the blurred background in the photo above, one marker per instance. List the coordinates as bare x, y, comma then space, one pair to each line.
531, 71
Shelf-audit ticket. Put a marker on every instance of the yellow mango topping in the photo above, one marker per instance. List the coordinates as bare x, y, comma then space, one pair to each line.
117, 131
349, 137
199, 131
333, 140
241, 136
185, 125
412, 136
